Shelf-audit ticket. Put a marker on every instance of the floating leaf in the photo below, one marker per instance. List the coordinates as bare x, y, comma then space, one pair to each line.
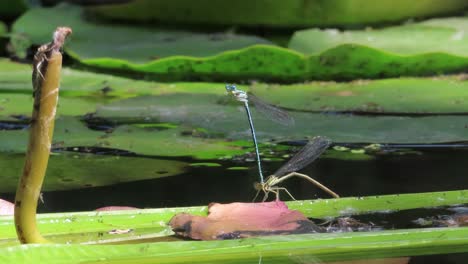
12, 8
277, 13
175, 142
78, 170
134, 44
202, 111
206, 106
241, 60
443, 35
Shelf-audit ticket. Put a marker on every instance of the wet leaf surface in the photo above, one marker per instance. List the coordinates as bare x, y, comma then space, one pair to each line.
78, 170
134, 44
294, 13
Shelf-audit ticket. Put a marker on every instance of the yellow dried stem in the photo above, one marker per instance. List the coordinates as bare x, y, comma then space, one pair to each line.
46, 81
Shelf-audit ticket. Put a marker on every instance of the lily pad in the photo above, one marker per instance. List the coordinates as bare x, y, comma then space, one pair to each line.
212, 113
435, 46
320, 108
84, 92
176, 142
437, 95
10, 9
93, 40
444, 35
78, 170
241, 60
277, 13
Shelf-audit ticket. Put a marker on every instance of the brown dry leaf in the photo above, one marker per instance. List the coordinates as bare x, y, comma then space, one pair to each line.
240, 220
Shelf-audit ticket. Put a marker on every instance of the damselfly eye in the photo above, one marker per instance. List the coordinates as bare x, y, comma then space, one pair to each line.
230, 87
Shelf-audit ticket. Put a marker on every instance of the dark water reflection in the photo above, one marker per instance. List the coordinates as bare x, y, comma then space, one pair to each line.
420, 170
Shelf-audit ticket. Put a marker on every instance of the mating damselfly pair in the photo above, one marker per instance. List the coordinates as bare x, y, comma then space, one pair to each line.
304, 157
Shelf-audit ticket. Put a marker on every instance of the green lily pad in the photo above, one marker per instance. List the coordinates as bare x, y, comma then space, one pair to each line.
444, 35
277, 13
12, 8
213, 114
435, 46
18, 104
78, 170
84, 92
156, 106
441, 95
134, 44
175, 142
241, 60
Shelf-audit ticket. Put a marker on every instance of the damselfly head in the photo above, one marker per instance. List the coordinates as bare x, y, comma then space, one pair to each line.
240, 95
231, 87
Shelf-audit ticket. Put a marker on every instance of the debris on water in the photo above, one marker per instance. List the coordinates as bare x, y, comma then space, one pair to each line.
373, 147
358, 151
205, 164
340, 148
455, 220
348, 224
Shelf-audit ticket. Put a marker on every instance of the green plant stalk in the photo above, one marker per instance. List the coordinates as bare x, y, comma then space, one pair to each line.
92, 227
46, 80
275, 249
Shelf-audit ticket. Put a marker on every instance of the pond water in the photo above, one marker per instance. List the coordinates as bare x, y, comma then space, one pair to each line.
395, 169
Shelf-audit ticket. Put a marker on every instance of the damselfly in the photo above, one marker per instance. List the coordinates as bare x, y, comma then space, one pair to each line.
270, 111
304, 157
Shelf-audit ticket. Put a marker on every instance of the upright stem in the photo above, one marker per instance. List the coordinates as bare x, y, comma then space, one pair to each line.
46, 79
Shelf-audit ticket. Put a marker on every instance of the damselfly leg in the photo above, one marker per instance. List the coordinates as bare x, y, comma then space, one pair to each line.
304, 157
